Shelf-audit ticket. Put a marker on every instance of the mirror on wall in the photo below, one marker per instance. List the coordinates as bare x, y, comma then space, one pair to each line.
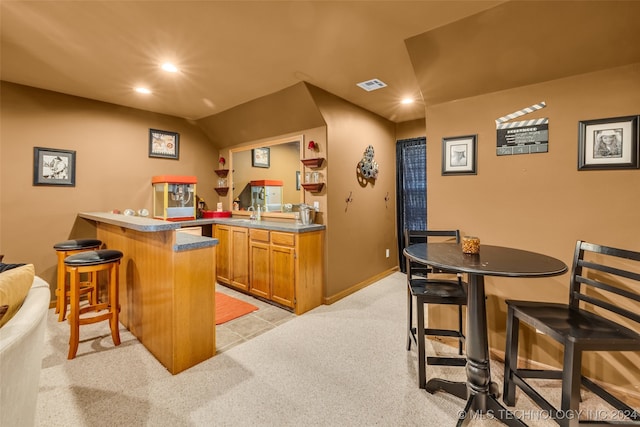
274, 167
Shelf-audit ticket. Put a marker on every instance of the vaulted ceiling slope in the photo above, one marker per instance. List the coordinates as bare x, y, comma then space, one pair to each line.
524, 42
228, 52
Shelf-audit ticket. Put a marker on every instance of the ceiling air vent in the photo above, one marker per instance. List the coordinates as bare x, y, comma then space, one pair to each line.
372, 84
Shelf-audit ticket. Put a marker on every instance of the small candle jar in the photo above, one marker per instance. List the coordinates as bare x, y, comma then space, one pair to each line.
470, 245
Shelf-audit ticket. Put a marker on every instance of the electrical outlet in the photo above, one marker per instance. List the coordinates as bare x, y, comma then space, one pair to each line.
316, 206
387, 253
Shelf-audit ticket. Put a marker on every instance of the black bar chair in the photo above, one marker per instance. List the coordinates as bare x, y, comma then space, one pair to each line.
591, 321
429, 286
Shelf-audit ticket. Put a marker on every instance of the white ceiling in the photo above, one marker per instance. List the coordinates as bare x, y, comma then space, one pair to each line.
229, 52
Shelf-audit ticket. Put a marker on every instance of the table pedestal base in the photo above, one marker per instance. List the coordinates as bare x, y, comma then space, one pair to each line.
483, 403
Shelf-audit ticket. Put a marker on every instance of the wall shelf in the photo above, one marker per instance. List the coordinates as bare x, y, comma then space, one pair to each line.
313, 187
221, 172
222, 191
313, 163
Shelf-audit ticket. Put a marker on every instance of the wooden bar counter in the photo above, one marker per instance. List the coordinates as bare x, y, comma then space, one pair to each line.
167, 286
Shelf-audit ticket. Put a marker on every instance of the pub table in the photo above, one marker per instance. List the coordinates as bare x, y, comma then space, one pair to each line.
479, 392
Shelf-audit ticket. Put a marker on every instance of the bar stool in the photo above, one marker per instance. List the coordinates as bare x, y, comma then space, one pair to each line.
63, 250
92, 262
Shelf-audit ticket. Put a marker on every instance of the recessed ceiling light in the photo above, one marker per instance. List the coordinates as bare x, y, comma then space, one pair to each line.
407, 101
142, 90
167, 66
372, 84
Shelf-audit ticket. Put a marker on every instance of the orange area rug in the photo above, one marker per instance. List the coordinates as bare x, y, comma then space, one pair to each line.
229, 308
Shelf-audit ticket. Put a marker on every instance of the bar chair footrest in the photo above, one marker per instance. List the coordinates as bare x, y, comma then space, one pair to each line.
446, 361
438, 332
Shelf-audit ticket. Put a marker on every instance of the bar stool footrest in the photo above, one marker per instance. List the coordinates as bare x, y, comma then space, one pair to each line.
90, 308
94, 319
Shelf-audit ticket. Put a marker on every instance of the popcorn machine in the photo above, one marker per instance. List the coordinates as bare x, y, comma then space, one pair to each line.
174, 197
267, 193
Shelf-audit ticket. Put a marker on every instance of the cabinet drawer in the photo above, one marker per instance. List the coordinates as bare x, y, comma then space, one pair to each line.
282, 238
259, 235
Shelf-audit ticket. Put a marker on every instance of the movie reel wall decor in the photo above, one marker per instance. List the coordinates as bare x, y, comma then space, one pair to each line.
368, 167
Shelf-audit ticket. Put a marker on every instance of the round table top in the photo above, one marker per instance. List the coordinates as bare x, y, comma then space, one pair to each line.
491, 261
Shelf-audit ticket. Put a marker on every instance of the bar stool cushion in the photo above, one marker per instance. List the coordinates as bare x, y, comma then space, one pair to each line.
102, 256
77, 244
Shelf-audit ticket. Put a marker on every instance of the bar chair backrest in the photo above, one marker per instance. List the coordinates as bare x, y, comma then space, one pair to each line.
594, 282
412, 237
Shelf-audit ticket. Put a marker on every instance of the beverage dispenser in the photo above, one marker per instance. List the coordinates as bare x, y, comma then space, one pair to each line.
174, 197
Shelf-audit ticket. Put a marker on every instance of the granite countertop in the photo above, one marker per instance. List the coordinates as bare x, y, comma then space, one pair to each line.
184, 241
147, 224
290, 227
137, 223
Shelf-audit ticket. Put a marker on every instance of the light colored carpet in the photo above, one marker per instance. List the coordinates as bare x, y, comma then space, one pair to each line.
338, 365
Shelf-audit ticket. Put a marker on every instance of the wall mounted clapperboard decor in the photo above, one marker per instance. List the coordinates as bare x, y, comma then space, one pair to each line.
523, 137
164, 144
54, 167
609, 144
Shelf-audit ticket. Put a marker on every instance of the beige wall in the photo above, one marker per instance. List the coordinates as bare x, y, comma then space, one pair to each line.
410, 129
113, 169
358, 232
540, 202
283, 112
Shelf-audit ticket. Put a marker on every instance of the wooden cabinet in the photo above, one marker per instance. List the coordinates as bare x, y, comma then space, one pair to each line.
259, 260
232, 256
283, 275
286, 268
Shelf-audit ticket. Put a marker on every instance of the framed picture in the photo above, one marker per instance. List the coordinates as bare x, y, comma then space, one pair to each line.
164, 144
260, 157
54, 167
608, 143
459, 155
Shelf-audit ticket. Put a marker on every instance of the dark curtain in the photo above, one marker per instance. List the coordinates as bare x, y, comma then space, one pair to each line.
411, 182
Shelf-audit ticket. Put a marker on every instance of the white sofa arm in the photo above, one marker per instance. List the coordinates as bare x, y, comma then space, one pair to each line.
21, 352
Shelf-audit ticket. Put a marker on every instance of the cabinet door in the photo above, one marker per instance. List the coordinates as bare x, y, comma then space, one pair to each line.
259, 269
223, 254
283, 275
240, 258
